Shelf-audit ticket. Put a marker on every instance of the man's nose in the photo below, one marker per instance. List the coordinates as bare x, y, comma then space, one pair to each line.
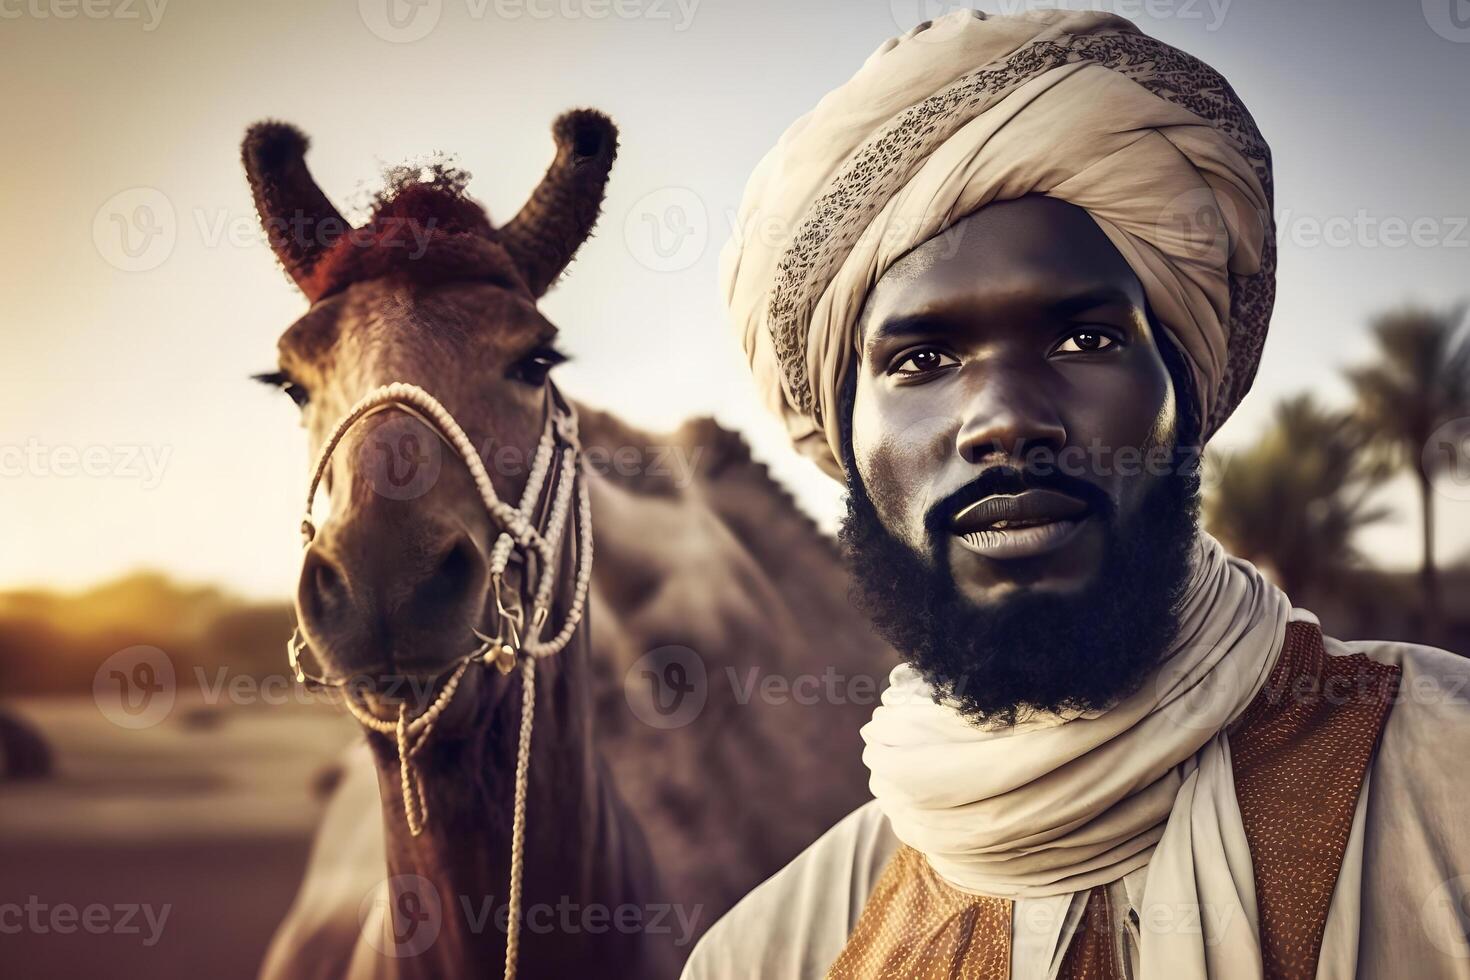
391, 588
1008, 413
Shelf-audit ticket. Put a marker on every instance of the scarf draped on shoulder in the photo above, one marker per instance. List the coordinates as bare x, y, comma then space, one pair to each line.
1062, 802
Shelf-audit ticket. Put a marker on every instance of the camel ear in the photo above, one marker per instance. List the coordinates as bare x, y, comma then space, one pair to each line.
560, 214
298, 219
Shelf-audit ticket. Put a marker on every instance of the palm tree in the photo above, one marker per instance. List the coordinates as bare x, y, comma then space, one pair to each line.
1420, 383
1294, 501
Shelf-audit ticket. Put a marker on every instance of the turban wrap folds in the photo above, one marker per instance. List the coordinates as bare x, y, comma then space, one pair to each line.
970, 109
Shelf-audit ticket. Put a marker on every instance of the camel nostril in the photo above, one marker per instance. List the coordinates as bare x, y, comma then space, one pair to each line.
325, 581
458, 574
323, 589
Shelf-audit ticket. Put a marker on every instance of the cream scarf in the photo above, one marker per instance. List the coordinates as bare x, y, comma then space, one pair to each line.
1060, 803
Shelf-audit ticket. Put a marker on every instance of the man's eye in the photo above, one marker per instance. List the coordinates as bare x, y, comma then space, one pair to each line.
922, 362
283, 381
535, 366
1085, 342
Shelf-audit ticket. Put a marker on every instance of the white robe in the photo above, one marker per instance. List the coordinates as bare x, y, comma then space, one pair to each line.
1412, 888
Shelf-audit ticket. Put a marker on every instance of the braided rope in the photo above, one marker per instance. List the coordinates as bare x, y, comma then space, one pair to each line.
517, 530
518, 817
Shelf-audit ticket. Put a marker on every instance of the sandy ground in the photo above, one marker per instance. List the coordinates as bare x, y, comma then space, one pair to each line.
169, 851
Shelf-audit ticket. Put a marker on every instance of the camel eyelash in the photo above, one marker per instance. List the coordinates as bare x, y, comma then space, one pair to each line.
283, 381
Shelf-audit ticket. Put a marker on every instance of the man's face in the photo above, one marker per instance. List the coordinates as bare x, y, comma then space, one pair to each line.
1019, 334
1020, 521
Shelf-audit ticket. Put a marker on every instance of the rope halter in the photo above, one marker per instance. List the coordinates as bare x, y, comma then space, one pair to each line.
517, 638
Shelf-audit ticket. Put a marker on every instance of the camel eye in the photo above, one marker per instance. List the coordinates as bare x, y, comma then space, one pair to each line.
535, 366
283, 381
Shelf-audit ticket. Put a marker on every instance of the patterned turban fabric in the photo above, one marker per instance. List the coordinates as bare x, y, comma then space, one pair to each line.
970, 109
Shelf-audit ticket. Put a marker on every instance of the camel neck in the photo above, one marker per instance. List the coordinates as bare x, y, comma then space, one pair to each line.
584, 856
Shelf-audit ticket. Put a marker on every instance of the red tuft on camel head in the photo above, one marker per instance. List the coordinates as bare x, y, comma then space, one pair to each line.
430, 230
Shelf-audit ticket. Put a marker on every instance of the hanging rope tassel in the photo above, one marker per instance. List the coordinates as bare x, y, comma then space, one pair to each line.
518, 817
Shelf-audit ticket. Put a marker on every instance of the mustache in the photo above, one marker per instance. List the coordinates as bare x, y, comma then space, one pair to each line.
1010, 479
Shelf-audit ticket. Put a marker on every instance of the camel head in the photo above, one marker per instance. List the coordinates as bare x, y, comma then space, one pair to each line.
427, 291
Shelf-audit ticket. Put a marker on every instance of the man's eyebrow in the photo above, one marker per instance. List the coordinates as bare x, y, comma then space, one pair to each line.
1089, 299
908, 325
930, 323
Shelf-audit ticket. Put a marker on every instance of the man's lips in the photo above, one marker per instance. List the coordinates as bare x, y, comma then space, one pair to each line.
1022, 525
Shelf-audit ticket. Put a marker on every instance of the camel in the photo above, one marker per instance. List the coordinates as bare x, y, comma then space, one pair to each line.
700, 725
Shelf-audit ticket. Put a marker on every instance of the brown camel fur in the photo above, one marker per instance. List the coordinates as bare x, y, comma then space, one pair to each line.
642, 827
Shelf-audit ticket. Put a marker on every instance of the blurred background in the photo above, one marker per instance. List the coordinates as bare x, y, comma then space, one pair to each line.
151, 493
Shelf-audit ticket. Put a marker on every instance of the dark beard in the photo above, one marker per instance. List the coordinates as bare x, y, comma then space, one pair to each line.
1085, 650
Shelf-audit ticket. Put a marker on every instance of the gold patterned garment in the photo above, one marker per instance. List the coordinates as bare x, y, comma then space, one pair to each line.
1300, 753
922, 928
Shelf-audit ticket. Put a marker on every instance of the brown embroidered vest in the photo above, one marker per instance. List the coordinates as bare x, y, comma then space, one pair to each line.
1299, 754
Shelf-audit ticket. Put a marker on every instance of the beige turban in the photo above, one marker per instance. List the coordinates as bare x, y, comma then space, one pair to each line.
971, 109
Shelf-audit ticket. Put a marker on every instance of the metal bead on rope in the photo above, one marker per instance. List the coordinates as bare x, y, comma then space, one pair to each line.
518, 530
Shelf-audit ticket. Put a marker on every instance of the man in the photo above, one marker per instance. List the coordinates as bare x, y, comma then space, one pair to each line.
1024, 270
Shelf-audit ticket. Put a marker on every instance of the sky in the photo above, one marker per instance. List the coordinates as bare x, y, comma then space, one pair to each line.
138, 294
